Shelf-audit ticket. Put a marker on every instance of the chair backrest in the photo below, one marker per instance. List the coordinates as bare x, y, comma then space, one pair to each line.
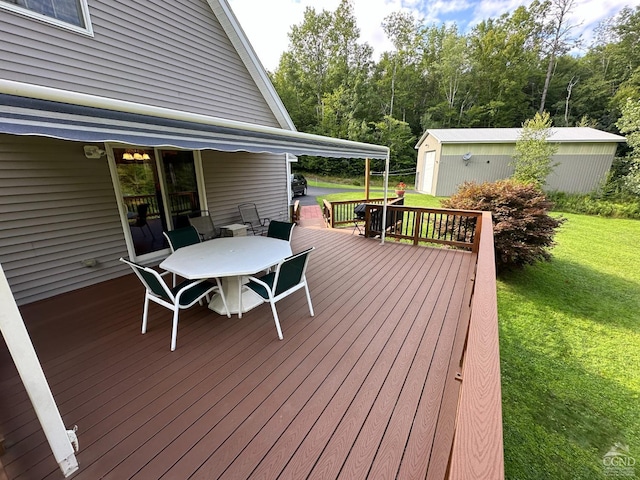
281, 230
249, 213
141, 220
181, 237
291, 271
359, 210
152, 280
203, 224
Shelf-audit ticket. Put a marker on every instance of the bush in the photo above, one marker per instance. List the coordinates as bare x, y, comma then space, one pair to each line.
523, 230
595, 204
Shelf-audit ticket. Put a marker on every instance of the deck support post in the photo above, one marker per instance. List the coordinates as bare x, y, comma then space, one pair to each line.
24, 355
386, 197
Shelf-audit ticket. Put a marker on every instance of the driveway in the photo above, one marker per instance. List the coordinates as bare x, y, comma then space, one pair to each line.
313, 192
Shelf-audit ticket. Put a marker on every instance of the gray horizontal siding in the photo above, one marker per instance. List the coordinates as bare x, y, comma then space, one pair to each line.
170, 54
56, 209
235, 178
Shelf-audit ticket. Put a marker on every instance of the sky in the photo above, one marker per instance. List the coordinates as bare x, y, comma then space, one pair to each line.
268, 22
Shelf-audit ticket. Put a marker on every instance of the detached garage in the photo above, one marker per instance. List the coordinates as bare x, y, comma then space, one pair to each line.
450, 156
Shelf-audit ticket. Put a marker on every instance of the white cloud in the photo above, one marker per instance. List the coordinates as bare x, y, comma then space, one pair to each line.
267, 23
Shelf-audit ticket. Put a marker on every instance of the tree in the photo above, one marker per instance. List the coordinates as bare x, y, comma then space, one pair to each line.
498, 75
629, 125
322, 75
610, 70
396, 135
556, 36
532, 160
401, 79
447, 61
501, 57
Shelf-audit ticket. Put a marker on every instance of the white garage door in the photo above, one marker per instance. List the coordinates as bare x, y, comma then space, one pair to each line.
427, 177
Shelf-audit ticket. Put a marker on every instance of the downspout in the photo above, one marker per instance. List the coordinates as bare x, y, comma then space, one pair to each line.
386, 188
288, 159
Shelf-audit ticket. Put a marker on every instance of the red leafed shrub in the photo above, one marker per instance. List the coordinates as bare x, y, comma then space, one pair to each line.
523, 230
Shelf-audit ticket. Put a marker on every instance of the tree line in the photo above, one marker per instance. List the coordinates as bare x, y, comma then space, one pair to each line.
499, 74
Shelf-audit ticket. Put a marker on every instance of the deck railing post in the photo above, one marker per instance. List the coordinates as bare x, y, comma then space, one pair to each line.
417, 222
476, 234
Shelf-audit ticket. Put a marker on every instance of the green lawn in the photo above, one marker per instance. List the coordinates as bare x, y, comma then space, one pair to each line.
413, 199
570, 350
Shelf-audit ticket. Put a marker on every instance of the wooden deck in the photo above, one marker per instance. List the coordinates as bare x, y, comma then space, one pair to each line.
365, 389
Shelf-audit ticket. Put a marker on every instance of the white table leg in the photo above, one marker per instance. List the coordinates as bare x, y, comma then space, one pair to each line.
250, 299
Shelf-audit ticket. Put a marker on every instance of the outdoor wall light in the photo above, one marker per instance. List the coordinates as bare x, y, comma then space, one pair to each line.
92, 151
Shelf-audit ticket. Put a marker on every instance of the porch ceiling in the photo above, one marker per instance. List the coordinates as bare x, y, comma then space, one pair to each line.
366, 388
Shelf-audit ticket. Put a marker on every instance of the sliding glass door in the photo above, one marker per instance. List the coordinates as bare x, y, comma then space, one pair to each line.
159, 190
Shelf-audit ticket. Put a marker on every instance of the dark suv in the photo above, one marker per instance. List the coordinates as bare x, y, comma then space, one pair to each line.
298, 184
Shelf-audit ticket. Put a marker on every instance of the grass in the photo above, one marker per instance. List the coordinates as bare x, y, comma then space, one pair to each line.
412, 199
570, 353
376, 182
570, 350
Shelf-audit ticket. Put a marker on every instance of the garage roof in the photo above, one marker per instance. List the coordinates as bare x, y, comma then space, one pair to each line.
511, 135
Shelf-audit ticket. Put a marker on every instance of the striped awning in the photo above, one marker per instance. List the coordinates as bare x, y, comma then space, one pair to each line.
20, 115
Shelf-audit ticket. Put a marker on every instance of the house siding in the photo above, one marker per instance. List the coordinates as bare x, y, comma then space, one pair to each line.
235, 178
57, 208
178, 57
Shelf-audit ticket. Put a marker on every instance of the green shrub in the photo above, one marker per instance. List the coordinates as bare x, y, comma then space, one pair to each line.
523, 230
596, 204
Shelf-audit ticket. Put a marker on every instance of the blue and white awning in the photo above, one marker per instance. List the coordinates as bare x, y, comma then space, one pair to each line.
22, 115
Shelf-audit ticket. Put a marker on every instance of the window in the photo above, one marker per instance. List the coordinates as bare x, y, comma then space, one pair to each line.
64, 13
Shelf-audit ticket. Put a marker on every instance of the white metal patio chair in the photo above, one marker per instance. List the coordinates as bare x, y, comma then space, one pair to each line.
251, 218
182, 296
288, 277
204, 225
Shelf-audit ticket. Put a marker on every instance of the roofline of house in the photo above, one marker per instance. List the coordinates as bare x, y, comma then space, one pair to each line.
238, 38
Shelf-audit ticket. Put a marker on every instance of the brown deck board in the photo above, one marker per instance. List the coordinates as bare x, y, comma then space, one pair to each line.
312, 395
364, 389
361, 409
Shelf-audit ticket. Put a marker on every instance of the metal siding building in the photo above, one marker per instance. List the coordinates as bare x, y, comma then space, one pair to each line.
449, 157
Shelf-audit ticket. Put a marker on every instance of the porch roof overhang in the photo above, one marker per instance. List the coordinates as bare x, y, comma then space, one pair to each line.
41, 111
